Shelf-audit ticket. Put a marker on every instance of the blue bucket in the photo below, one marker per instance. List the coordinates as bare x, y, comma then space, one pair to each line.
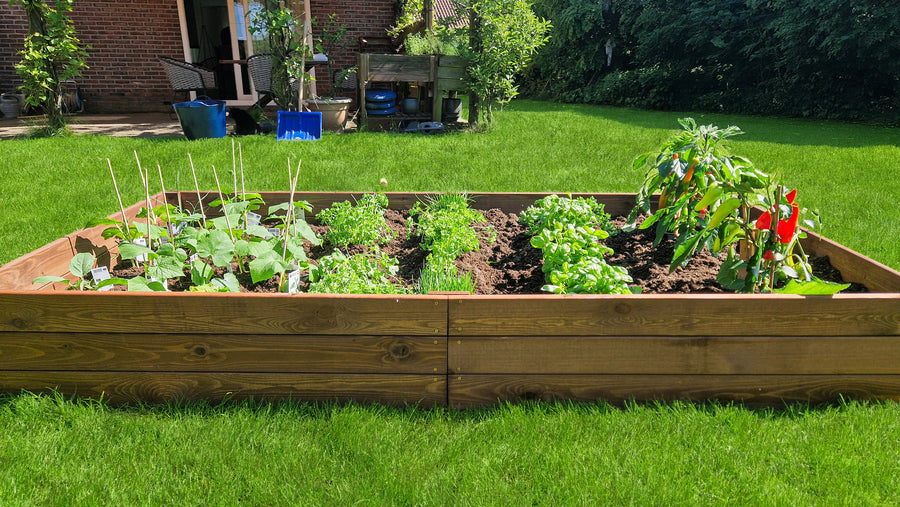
202, 118
302, 126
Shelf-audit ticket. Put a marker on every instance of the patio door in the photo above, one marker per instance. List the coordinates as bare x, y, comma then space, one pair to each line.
216, 34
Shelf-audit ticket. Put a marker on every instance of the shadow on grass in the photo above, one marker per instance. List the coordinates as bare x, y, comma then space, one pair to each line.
323, 410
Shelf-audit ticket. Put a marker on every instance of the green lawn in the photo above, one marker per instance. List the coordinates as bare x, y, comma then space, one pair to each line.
56, 451
849, 172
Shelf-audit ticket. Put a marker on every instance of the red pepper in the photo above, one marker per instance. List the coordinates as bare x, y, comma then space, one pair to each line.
787, 227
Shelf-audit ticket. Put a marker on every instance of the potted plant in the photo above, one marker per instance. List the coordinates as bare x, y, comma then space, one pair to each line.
288, 51
334, 109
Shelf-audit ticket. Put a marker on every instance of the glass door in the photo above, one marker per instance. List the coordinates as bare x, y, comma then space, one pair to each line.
215, 35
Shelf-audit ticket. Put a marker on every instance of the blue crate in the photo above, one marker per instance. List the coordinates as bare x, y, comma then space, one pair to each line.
302, 126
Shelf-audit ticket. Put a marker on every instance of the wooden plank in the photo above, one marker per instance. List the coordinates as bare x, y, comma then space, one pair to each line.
674, 355
49, 260
223, 313
468, 391
676, 315
222, 353
853, 266
123, 387
392, 68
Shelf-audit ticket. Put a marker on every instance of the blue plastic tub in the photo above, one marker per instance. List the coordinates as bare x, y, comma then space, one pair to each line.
202, 118
302, 126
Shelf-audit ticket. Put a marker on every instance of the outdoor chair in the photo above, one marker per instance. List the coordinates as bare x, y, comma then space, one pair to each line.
260, 68
188, 77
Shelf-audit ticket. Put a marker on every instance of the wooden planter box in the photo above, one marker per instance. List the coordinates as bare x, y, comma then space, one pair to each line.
447, 350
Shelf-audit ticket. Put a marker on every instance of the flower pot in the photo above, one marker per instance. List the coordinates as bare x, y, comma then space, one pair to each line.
10, 106
334, 111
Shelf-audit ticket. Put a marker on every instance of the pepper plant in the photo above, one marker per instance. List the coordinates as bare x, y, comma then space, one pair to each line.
707, 198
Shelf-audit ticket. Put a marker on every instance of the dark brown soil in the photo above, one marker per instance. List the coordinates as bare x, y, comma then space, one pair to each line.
510, 265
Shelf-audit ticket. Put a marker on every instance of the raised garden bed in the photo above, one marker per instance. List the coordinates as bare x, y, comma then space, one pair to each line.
447, 349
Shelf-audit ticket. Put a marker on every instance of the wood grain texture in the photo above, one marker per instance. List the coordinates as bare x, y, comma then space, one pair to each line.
49, 260
468, 391
223, 313
674, 355
121, 387
222, 353
853, 266
676, 315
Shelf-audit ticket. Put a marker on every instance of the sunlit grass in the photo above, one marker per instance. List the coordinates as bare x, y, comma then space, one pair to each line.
848, 172
548, 454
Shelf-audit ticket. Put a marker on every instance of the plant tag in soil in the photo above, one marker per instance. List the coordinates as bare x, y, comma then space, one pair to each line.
253, 218
193, 258
175, 230
293, 285
140, 242
100, 274
275, 233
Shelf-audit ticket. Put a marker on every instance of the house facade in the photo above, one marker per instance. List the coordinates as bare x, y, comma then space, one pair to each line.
125, 40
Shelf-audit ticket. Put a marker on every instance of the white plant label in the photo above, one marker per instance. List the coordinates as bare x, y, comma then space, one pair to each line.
100, 274
293, 282
275, 233
253, 218
193, 258
141, 242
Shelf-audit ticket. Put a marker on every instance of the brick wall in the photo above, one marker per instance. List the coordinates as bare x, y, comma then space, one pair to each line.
126, 37
362, 19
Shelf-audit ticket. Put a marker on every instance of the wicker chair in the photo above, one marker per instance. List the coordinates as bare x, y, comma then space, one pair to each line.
260, 68
188, 77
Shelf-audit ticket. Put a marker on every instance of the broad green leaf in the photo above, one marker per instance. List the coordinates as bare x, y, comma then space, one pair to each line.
132, 251
217, 246
257, 231
81, 264
305, 231
165, 268
112, 281
728, 274
814, 287
229, 281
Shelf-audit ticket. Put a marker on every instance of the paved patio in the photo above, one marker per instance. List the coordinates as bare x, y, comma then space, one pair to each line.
119, 125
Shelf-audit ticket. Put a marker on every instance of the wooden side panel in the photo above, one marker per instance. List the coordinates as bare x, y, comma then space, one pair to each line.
468, 391
854, 266
222, 353
123, 387
675, 355
49, 260
676, 315
223, 313
399, 67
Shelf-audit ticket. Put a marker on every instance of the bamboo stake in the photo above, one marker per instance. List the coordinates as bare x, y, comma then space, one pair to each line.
233, 167
119, 197
162, 185
197, 187
145, 179
222, 198
290, 212
241, 158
